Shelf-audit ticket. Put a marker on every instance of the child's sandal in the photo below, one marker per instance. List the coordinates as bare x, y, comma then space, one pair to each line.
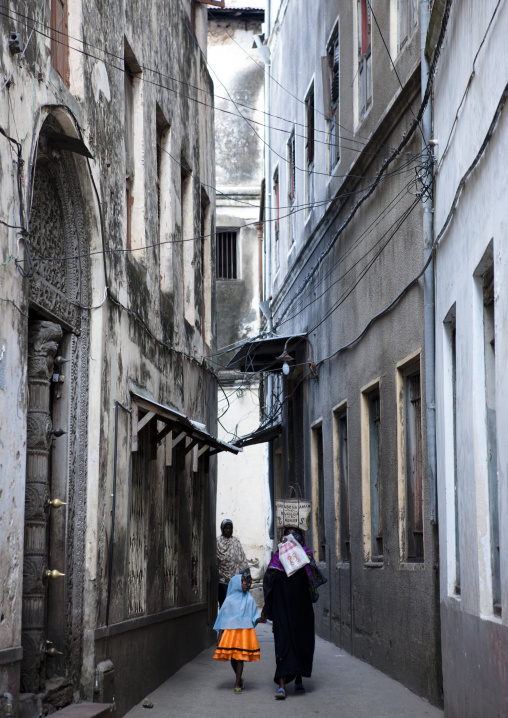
237, 689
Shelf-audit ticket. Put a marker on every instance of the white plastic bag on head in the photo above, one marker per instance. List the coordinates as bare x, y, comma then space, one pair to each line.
292, 556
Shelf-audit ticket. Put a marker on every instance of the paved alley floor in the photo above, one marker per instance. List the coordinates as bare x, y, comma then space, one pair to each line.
341, 686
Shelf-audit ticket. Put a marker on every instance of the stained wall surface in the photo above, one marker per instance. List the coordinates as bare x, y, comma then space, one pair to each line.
119, 222
334, 266
470, 286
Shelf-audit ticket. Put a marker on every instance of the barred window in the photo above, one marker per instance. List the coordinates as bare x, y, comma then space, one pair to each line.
226, 255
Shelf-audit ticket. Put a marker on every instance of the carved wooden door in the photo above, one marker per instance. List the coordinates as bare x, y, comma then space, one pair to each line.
43, 340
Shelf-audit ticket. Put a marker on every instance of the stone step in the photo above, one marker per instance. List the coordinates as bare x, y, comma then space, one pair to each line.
87, 710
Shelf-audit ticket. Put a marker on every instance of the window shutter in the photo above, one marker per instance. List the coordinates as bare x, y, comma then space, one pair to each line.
335, 74
327, 100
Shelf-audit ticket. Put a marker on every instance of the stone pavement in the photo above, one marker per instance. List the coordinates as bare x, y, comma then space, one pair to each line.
341, 687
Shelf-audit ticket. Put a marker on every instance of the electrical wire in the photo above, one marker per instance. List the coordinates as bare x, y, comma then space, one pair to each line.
364, 272
123, 250
405, 139
145, 68
192, 99
395, 70
397, 224
386, 209
468, 85
298, 99
439, 238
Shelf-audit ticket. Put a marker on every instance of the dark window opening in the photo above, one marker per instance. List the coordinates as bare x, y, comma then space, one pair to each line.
309, 111
376, 515
414, 473
226, 255
491, 426
291, 168
276, 198
321, 495
345, 539
334, 68
364, 57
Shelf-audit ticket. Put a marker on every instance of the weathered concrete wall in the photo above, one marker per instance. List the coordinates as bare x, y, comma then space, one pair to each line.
385, 612
474, 636
149, 335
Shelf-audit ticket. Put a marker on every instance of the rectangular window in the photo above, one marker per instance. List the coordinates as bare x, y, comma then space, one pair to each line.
60, 39
188, 240
134, 166
318, 490
364, 58
276, 223
413, 468
333, 63
226, 255
161, 138
206, 287
291, 184
164, 194
129, 149
490, 406
309, 147
407, 18
341, 429
376, 516
450, 445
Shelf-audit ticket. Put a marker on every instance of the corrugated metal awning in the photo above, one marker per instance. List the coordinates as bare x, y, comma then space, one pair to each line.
260, 436
176, 428
261, 354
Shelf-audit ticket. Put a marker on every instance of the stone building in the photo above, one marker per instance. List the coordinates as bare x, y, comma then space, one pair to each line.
107, 396
471, 133
344, 254
238, 75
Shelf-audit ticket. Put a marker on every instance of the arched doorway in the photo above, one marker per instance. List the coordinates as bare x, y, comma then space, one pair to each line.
57, 408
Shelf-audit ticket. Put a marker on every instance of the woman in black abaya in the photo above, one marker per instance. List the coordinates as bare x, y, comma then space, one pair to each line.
288, 603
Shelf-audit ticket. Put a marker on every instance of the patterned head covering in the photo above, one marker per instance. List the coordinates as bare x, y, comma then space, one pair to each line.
231, 559
225, 523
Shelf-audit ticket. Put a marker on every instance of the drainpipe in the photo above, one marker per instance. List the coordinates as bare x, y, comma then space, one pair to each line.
428, 279
264, 52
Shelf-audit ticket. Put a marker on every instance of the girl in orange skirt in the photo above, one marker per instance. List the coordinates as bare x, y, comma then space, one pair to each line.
235, 624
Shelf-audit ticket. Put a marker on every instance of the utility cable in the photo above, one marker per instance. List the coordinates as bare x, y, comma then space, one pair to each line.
468, 85
438, 239
405, 139
385, 211
397, 224
144, 68
395, 70
173, 79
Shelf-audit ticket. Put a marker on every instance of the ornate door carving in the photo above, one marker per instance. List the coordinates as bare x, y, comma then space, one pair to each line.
59, 291
43, 340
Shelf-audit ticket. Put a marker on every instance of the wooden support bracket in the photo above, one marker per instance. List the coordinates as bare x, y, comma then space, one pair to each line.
190, 446
202, 450
169, 449
178, 439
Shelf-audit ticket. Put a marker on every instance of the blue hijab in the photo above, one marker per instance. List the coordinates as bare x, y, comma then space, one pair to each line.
239, 610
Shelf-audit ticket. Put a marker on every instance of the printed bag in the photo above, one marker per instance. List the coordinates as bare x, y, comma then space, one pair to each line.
292, 556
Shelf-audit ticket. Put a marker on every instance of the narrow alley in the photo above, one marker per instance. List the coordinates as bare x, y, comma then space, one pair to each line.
341, 686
